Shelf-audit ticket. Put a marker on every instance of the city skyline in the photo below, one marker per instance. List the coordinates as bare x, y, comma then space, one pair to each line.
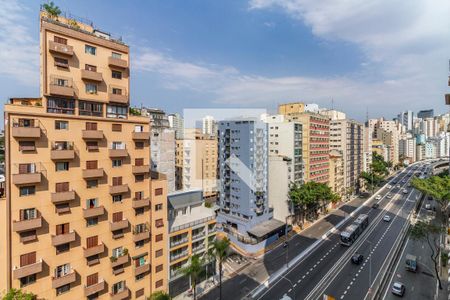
257, 54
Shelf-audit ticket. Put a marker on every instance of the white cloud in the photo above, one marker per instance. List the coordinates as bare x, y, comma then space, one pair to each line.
19, 52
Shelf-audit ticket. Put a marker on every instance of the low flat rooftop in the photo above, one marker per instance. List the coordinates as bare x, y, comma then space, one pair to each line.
266, 227
198, 215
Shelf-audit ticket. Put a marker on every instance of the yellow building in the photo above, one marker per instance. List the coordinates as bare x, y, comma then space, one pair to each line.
192, 230
84, 218
337, 173
196, 163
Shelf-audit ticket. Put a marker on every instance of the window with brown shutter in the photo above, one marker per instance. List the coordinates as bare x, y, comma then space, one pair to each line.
159, 268
118, 216
159, 223
159, 237
27, 259
159, 253
91, 164
138, 195
158, 191
137, 262
116, 127
91, 126
90, 68
23, 168
140, 293
139, 145
139, 161
159, 283
117, 180
60, 40
91, 241
62, 187
62, 228
27, 146
92, 279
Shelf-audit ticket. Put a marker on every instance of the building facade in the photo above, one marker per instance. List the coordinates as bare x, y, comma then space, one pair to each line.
78, 211
337, 173
176, 122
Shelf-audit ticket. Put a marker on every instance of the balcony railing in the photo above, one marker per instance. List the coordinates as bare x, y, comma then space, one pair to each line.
29, 129
118, 97
61, 86
60, 197
65, 151
141, 269
192, 224
124, 294
118, 151
24, 271
92, 134
93, 212
178, 256
140, 135
198, 235
120, 260
179, 242
92, 173
117, 62
91, 75
62, 239
118, 189
140, 236
60, 48
140, 169
119, 225
32, 174
138, 203
27, 225
94, 250
63, 280
94, 288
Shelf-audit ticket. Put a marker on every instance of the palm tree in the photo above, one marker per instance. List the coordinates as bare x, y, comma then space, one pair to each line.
220, 251
159, 295
52, 10
193, 271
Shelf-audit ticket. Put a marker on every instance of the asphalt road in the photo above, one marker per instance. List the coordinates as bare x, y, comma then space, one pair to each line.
328, 269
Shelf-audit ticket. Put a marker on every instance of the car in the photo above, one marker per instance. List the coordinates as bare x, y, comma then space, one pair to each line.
398, 289
389, 186
428, 206
378, 197
398, 185
386, 218
389, 196
375, 205
405, 191
357, 258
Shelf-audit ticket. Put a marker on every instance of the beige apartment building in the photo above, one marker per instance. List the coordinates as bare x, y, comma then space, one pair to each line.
315, 140
337, 173
196, 163
84, 217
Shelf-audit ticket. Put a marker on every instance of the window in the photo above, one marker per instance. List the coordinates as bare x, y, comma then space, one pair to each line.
139, 178
159, 268
61, 62
27, 259
91, 164
116, 163
158, 207
118, 287
116, 74
139, 293
159, 223
90, 49
91, 126
139, 228
27, 146
61, 187
117, 181
62, 229
139, 162
116, 111
138, 128
60, 40
139, 145
27, 190
116, 91
62, 248
139, 195
61, 106
117, 127
91, 241
61, 125
28, 214
158, 192
62, 270
139, 244
87, 108
90, 68
92, 145
117, 198
62, 166
27, 280
92, 203
93, 183
92, 221
116, 55
91, 88
118, 145
117, 252
117, 217
159, 283
92, 279
159, 253
159, 237
139, 211
63, 289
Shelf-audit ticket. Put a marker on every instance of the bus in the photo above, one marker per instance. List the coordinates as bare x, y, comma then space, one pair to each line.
352, 232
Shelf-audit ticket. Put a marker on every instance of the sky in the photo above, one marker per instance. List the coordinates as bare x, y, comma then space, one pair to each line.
381, 56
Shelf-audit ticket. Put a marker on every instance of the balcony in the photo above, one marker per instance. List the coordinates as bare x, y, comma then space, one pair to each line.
61, 239
114, 226
121, 295
198, 235
62, 154
60, 197
19, 131
118, 94
60, 48
27, 225
114, 153
179, 242
118, 189
92, 173
91, 75
61, 86
117, 62
93, 212
141, 269
27, 178
199, 248
63, 280
94, 288
120, 260
140, 169
92, 134
99, 249
141, 236
138, 203
28, 270
178, 256
140, 135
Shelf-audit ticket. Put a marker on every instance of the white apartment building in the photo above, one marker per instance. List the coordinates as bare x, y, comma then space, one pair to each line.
177, 123
209, 126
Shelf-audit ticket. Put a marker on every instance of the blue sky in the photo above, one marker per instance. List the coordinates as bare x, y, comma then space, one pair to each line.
375, 55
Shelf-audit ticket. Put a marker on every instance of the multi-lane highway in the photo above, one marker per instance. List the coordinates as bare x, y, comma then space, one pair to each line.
329, 270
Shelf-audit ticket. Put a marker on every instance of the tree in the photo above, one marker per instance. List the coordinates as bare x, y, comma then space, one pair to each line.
159, 295
52, 10
193, 270
220, 251
429, 233
18, 294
